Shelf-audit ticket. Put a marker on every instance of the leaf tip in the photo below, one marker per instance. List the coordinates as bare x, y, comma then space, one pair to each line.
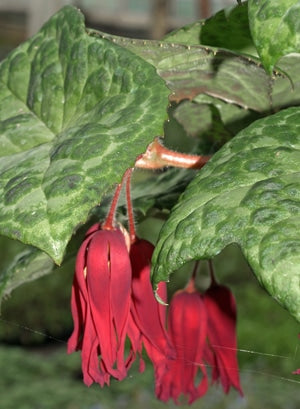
158, 299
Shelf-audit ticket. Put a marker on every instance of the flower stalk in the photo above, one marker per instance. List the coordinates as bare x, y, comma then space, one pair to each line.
131, 226
158, 156
109, 223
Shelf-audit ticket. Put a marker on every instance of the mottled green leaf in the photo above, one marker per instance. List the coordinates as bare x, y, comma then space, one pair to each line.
229, 28
249, 193
75, 111
193, 70
275, 28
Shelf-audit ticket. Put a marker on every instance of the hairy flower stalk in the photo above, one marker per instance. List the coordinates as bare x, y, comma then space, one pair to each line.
112, 299
158, 156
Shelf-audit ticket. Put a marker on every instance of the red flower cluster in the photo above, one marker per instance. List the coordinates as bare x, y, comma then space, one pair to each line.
112, 298
202, 329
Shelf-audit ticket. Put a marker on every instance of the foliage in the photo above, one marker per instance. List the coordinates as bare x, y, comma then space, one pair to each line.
277, 20
60, 92
78, 106
250, 176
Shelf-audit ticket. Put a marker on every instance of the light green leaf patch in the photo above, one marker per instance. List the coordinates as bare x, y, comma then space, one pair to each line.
75, 111
248, 193
275, 28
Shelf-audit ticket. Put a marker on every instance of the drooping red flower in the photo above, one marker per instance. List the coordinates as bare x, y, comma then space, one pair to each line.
112, 298
147, 319
187, 326
221, 349
100, 305
202, 329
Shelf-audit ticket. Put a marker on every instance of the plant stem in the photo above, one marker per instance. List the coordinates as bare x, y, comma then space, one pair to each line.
109, 223
157, 156
212, 274
190, 287
131, 226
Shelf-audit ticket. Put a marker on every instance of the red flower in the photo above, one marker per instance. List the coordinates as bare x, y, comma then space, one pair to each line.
147, 317
112, 298
187, 326
100, 305
202, 329
221, 350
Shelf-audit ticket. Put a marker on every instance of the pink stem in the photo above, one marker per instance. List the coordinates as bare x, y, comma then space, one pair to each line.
157, 156
212, 274
109, 223
190, 287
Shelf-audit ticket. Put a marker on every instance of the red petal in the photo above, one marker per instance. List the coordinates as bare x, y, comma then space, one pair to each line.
221, 310
108, 283
89, 355
210, 358
93, 229
147, 313
79, 299
187, 328
136, 347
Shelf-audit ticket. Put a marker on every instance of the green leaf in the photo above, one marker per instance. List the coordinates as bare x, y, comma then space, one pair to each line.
219, 121
229, 28
75, 112
160, 189
28, 265
248, 193
286, 89
193, 70
210, 129
275, 28
233, 117
21, 263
